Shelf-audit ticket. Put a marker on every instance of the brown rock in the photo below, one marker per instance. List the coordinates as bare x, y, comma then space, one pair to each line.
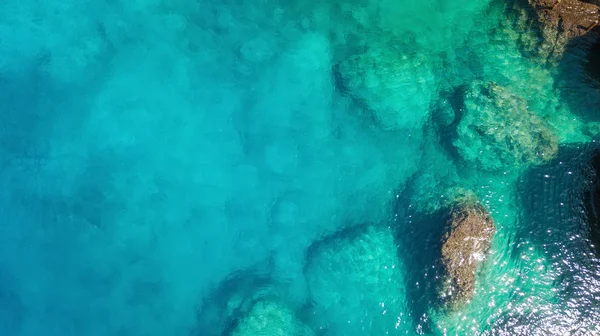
465, 245
562, 20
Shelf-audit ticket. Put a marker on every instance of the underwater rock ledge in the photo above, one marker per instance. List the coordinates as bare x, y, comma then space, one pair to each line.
497, 130
392, 85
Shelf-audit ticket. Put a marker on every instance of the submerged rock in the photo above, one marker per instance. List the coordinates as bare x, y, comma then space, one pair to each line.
465, 245
497, 131
356, 283
232, 299
562, 20
394, 86
271, 318
249, 302
591, 201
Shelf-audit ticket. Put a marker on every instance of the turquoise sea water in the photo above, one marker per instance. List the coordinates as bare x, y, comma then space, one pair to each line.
279, 168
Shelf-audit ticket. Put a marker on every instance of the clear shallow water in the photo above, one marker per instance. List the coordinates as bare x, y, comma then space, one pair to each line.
164, 164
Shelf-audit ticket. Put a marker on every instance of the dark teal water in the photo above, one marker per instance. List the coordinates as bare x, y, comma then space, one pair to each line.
282, 168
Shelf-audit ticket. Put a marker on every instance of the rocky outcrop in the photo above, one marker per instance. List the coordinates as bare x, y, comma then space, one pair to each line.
465, 245
497, 131
562, 20
591, 201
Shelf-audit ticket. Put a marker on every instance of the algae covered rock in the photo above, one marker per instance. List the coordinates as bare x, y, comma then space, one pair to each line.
497, 131
269, 318
562, 20
356, 284
394, 86
464, 246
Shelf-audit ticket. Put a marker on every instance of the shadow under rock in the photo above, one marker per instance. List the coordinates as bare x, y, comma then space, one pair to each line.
578, 77
445, 117
419, 241
553, 198
554, 220
591, 200
591, 64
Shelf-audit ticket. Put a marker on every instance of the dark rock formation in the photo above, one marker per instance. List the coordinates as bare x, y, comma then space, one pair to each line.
591, 201
562, 20
497, 131
465, 245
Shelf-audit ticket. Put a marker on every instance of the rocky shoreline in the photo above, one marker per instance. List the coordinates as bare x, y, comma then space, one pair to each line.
562, 20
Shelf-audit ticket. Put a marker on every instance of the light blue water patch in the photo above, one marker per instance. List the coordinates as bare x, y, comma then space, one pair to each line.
173, 168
